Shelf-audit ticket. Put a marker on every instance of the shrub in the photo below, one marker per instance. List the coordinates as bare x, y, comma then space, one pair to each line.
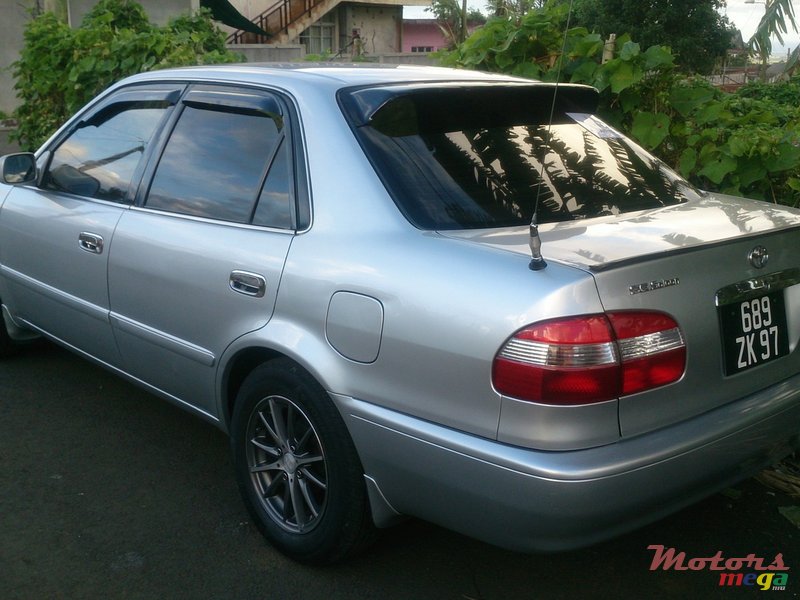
743, 144
60, 69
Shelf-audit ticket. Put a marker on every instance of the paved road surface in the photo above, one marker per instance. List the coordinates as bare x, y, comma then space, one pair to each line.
108, 492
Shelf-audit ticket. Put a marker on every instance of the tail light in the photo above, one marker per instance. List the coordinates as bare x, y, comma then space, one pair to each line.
590, 358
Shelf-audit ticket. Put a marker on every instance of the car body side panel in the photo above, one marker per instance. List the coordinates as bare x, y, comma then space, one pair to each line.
172, 306
448, 307
53, 281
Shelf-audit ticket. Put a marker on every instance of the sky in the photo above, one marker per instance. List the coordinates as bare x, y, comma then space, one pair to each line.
744, 16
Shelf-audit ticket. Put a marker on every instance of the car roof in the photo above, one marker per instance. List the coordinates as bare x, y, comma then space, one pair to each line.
321, 74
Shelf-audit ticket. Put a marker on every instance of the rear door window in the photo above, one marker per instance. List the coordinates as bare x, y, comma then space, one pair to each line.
227, 159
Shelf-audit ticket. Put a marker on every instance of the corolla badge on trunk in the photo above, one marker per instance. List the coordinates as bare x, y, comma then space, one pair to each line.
650, 286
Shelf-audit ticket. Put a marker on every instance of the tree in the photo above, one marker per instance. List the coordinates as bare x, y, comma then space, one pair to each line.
61, 68
452, 19
695, 31
774, 23
745, 144
512, 8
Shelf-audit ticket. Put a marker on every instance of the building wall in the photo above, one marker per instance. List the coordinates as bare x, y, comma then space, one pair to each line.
251, 8
379, 27
422, 33
258, 53
426, 33
13, 16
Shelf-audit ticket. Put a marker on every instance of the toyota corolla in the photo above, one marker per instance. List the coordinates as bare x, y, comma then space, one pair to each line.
414, 292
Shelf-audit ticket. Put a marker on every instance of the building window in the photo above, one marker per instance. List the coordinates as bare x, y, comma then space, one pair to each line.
318, 38
422, 48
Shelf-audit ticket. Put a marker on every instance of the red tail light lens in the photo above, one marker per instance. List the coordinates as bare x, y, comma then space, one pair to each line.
590, 358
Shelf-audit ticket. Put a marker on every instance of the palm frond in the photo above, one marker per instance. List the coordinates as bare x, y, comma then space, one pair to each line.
778, 16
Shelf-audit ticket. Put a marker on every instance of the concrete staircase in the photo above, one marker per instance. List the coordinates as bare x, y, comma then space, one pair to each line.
284, 21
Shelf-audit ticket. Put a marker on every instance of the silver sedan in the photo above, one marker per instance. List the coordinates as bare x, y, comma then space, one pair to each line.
412, 292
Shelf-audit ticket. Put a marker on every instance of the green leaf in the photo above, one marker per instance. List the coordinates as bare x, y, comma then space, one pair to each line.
785, 156
686, 99
709, 113
750, 171
794, 183
719, 168
740, 145
688, 162
624, 75
630, 100
650, 128
588, 46
657, 57
529, 70
629, 51
585, 72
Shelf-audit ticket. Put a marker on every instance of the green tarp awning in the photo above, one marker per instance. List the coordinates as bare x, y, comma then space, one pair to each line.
224, 12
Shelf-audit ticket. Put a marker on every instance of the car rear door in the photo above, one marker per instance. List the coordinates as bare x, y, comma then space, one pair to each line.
55, 238
197, 263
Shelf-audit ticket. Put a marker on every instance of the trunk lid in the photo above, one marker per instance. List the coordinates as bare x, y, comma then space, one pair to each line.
693, 262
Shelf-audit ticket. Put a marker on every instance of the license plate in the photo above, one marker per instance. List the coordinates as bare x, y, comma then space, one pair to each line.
753, 332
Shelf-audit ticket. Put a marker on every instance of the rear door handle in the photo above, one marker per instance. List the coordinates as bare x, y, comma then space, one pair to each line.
249, 284
91, 242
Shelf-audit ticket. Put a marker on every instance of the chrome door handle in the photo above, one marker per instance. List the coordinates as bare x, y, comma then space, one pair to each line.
91, 242
249, 284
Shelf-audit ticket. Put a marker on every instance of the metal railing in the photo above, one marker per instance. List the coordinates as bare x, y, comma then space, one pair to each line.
274, 20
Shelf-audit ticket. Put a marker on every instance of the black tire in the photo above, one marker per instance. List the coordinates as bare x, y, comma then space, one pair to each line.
296, 466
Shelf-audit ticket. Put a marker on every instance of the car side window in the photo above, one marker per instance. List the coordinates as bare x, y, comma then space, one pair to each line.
99, 158
226, 159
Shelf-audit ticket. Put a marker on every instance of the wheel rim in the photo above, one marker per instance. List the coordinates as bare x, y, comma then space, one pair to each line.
287, 464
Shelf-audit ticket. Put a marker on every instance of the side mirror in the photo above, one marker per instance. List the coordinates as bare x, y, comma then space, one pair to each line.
18, 168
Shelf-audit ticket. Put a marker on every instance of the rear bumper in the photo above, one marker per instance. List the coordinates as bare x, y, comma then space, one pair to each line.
531, 500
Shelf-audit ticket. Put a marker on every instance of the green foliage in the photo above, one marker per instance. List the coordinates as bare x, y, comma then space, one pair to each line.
694, 29
450, 18
60, 69
744, 144
786, 93
778, 17
323, 56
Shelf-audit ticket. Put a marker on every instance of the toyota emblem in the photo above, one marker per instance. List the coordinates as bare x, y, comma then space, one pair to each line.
758, 257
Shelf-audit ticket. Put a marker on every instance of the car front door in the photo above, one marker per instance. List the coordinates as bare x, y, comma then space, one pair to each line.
196, 264
55, 236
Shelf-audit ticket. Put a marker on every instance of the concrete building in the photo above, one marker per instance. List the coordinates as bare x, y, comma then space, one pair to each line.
422, 35
427, 35
334, 27
15, 14
369, 28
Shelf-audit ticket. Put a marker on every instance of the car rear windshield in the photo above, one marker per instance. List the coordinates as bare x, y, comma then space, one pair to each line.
461, 158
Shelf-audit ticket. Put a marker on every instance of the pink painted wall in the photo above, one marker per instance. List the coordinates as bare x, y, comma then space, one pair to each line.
422, 32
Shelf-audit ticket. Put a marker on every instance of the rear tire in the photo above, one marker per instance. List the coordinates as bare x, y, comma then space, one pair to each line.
296, 466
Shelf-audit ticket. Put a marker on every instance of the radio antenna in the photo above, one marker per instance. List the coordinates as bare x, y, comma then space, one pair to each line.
537, 260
